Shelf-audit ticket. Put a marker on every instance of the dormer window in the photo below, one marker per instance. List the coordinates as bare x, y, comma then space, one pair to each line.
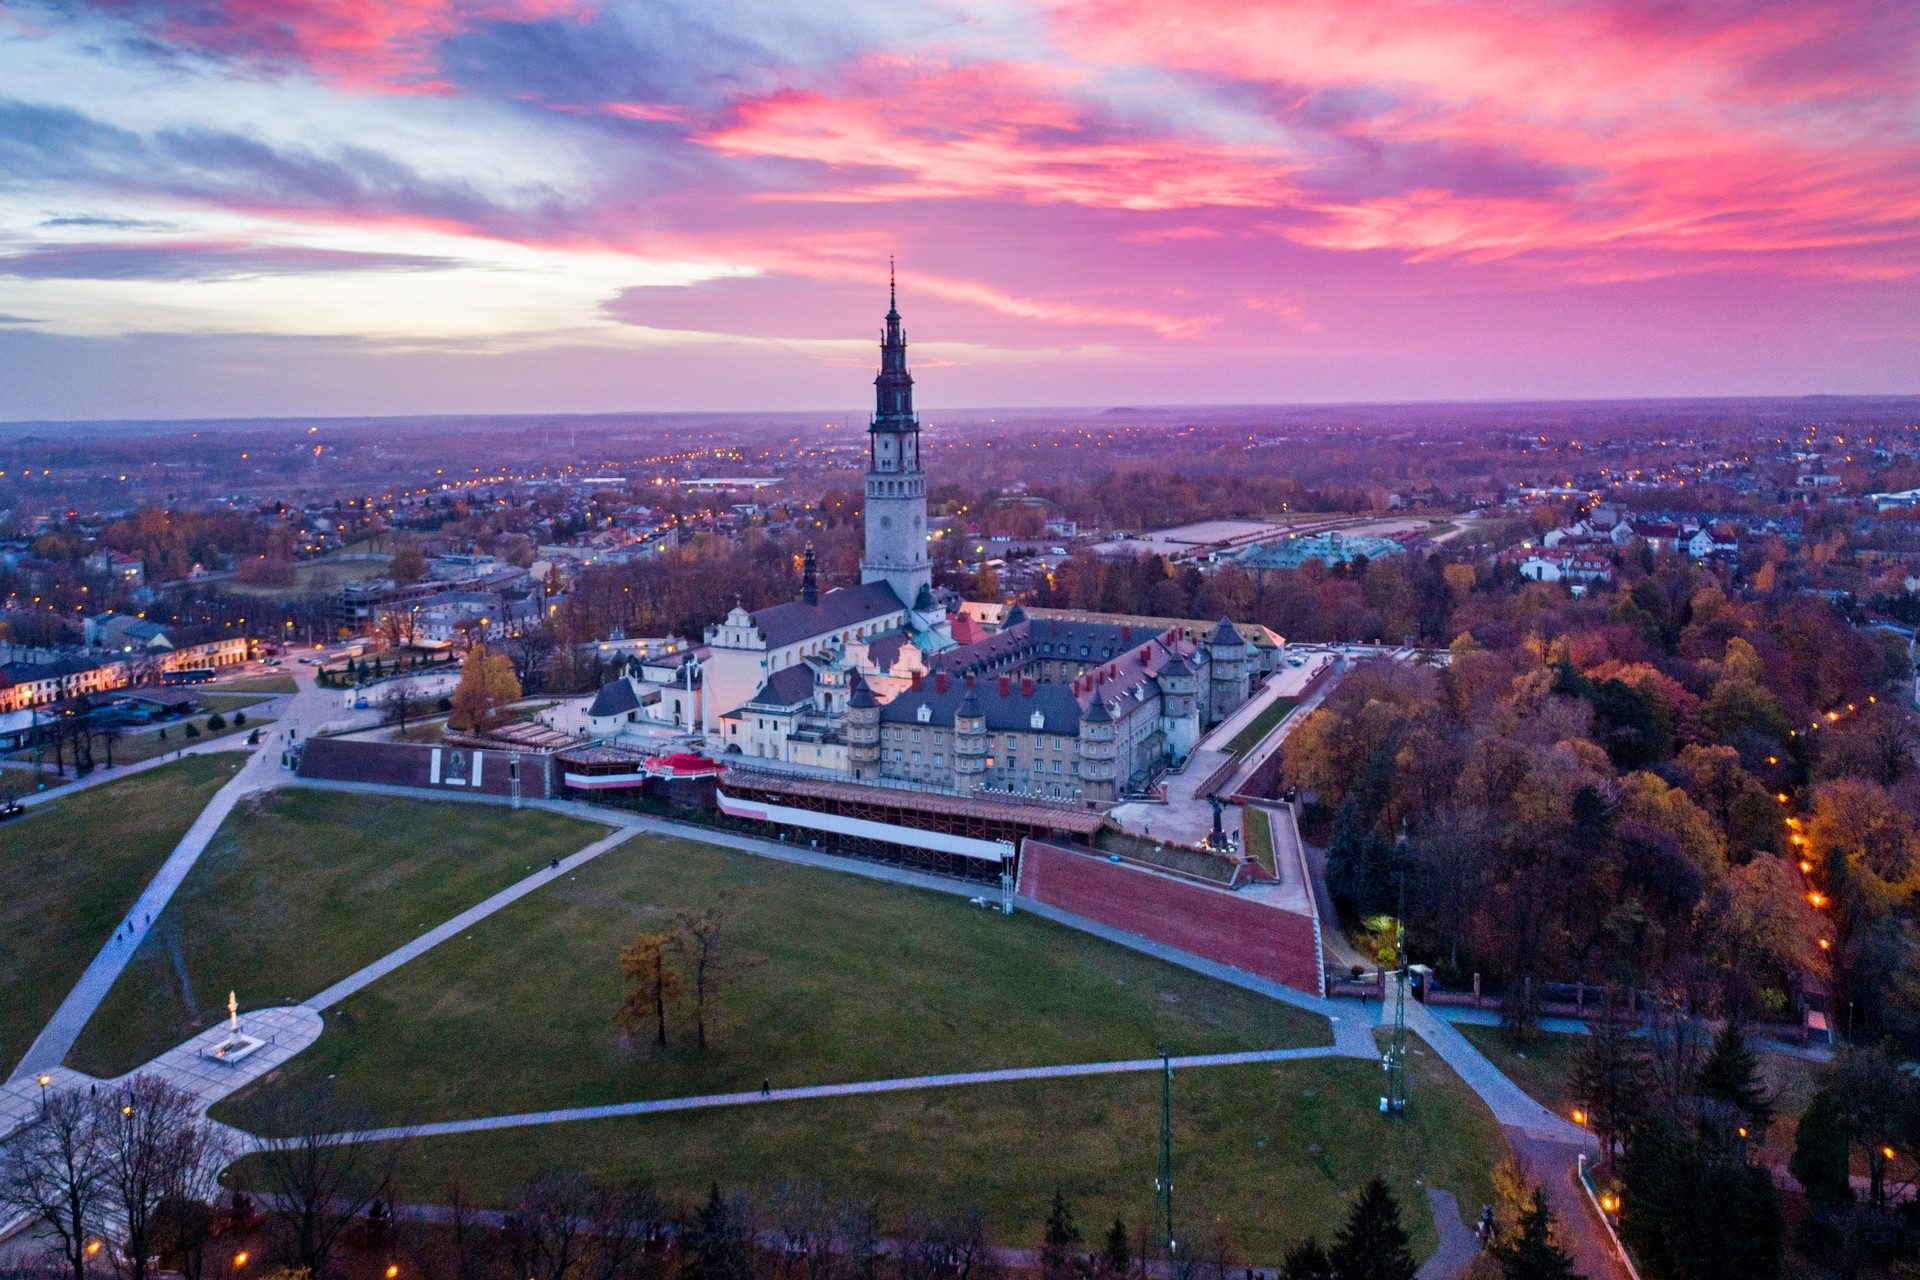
1037, 720
924, 713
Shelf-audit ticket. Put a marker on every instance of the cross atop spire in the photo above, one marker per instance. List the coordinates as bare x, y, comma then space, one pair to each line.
893, 306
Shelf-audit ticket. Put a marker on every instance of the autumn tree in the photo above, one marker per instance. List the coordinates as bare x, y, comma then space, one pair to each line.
653, 985
487, 687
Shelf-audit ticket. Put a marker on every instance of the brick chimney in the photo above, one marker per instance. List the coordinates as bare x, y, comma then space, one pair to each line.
1006, 685
940, 682
1126, 633
916, 682
1026, 686
969, 679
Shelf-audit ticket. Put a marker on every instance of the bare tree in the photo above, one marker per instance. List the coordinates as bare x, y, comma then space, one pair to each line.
803, 1230
320, 1175
155, 1148
548, 1224
52, 1172
399, 702
623, 1223
948, 1245
706, 947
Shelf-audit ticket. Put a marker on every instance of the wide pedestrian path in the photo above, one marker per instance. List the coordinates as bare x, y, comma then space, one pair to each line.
260, 771
853, 1089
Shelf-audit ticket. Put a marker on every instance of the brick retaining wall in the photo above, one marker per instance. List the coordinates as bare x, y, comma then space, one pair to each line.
411, 764
1215, 923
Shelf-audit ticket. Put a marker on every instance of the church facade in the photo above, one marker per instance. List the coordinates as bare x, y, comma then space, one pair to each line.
867, 682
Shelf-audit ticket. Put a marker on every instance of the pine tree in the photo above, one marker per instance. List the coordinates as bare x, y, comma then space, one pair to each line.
1530, 1253
1059, 1254
1610, 1076
1117, 1257
1373, 1244
722, 1241
1306, 1261
1731, 1075
1819, 1160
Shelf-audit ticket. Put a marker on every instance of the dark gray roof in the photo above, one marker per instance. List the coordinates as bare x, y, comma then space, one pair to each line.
1176, 666
1096, 712
1014, 617
862, 696
1013, 711
1225, 634
787, 687
783, 624
614, 699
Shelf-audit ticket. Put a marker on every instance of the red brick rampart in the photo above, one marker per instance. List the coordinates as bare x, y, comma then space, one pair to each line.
1215, 923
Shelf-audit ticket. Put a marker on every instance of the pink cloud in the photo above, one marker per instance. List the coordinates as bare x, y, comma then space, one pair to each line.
988, 130
386, 45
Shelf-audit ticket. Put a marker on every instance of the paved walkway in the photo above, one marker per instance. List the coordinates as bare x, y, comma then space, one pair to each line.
904, 1083
465, 920
260, 771
1458, 1245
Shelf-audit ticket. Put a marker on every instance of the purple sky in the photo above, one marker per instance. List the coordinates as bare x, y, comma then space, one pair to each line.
237, 207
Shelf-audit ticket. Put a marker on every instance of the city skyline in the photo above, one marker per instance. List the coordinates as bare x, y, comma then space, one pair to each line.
538, 205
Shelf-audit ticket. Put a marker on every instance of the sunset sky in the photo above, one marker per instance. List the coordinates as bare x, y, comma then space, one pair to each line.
265, 207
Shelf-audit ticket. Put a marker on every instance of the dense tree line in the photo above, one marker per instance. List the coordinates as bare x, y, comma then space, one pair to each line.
1622, 790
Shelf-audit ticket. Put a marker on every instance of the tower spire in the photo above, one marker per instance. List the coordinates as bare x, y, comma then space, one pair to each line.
893, 305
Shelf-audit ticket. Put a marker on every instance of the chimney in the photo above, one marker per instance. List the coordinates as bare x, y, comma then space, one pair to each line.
940, 682
1006, 685
1146, 653
1126, 633
809, 588
1056, 627
969, 679
1026, 687
916, 682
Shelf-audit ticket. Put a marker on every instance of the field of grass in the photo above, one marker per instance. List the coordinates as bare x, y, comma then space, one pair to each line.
1261, 725
254, 684
146, 744
72, 868
843, 979
300, 888
1257, 835
228, 703
1265, 1153
310, 578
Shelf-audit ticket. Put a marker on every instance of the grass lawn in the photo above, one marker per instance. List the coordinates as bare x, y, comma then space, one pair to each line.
1547, 1064
255, 684
72, 867
845, 979
1261, 725
1258, 834
1266, 1153
147, 744
1540, 1068
300, 888
228, 703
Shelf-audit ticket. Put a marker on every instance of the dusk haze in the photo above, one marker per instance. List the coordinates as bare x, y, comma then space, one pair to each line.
995, 640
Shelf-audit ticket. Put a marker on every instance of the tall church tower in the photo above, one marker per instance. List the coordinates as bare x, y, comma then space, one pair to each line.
896, 499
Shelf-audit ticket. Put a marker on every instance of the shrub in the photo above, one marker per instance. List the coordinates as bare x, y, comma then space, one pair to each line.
239, 719
216, 722
193, 730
